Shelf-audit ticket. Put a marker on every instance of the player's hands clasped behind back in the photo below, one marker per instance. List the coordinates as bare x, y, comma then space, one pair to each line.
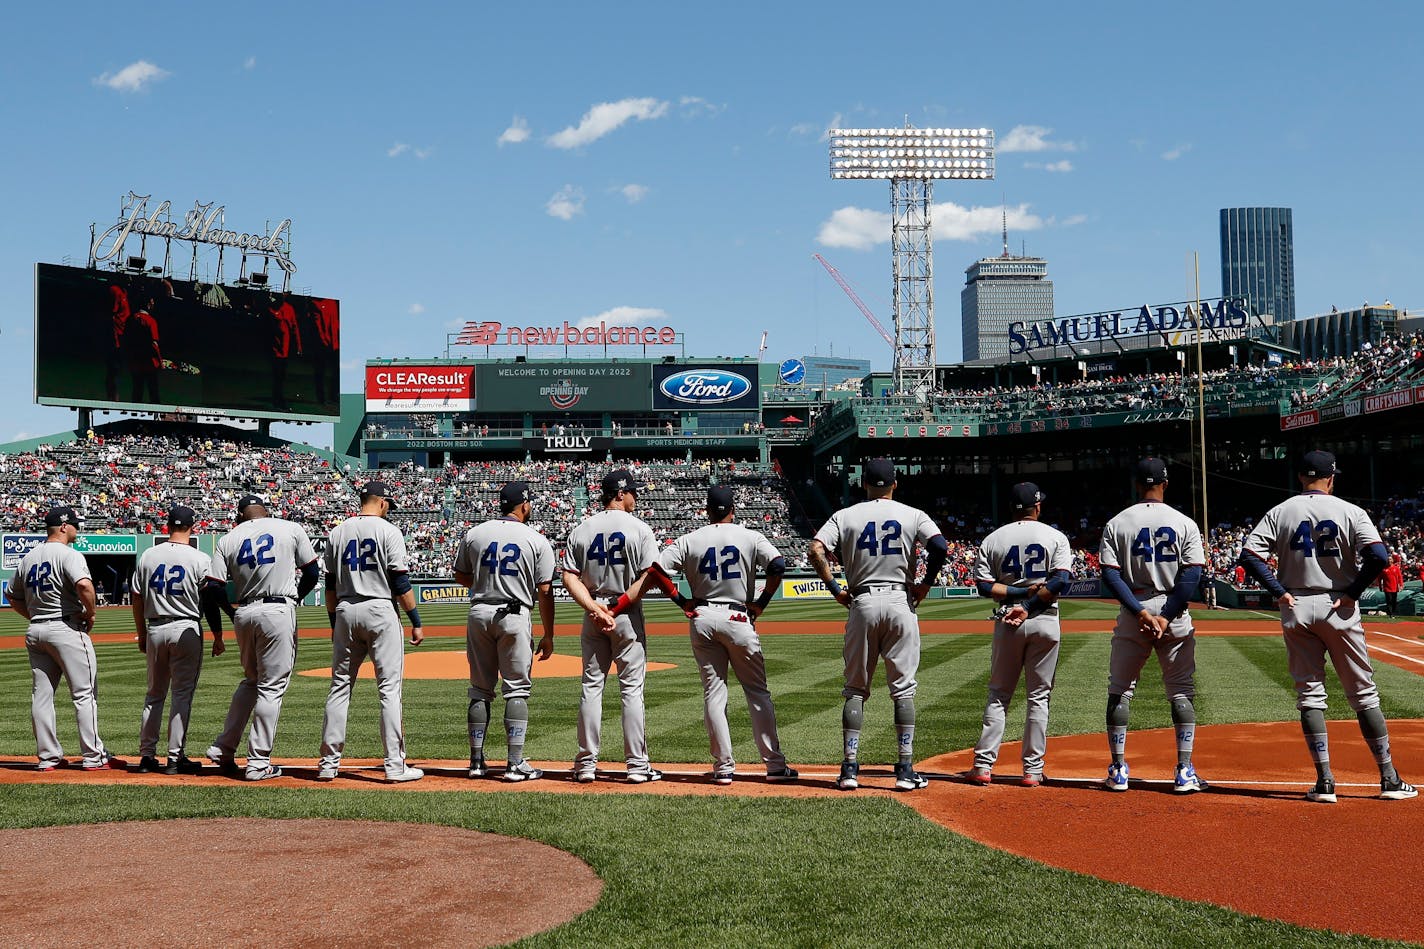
1152, 624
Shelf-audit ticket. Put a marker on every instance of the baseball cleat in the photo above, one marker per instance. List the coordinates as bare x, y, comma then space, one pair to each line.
326, 774
266, 774
45, 766
1187, 780
182, 764
1323, 792
478, 768
778, 776
1397, 790
523, 771
226, 766
110, 763
148, 764
1117, 777
585, 777
725, 777
643, 777
1032, 779
908, 779
981, 776
406, 773
849, 776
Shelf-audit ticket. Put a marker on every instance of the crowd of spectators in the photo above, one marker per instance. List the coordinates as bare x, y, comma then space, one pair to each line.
1394, 359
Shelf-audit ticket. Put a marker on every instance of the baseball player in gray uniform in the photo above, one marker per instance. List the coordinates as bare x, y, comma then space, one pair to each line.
720, 562
1152, 559
1328, 553
261, 556
507, 565
167, 590
604, 555
53, 590
1023, 565
875, 542
366, 571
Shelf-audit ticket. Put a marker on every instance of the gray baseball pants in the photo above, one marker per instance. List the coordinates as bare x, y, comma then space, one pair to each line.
722, 636
1176, 653
624, 644
57, 648
266, 636
1313, 630
365, 628
1031, 650
175, 657
881, 624
498, 646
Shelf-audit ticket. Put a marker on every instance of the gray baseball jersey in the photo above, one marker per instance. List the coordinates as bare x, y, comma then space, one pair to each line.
609, 550
168, 577
1315, 538
261, 558
1024, 550
507, 561
45, 581
875, 540
361, 553
720, 561
1149, 542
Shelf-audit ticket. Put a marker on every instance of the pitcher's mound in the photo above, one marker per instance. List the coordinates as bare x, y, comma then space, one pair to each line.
291, 882
453, 665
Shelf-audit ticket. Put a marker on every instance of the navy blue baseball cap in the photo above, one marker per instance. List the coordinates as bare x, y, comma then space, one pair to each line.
1151, 471
1318, 464
247, 500
378, 489
879, 473
619, 479
512, 495
720, 498
180, 515
63, 515
1025, 495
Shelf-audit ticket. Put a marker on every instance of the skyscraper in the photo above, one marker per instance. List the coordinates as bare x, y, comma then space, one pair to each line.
999, 291
1258, 259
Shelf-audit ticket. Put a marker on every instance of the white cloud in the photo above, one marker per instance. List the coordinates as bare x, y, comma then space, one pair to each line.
566, 203
862, 228
836, 122
1176, 151
517, 132
133, 77
1063, 166
696, 105
399, 148
250, 63
803, 128
424, 153
604, 118
1032, 138
1073, 220
623, 316
21, 435
415, 309
634, 192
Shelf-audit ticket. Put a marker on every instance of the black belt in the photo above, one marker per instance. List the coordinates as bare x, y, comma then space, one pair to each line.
266, 599
507, 607
730, 604
877, 588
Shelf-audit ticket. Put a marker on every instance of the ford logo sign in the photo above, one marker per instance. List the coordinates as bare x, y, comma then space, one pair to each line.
705, 386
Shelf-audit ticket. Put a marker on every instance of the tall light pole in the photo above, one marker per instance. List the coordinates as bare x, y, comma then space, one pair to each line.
911, 159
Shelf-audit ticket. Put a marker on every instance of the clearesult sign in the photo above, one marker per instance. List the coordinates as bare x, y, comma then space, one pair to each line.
415, 388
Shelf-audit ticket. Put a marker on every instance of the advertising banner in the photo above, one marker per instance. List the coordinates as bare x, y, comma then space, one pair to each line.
414, 388
1290, 423
806, 588
106, 543
16, 546
703, 388
564, 387
445, 593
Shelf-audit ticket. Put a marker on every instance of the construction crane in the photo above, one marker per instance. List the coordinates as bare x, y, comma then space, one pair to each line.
841, 282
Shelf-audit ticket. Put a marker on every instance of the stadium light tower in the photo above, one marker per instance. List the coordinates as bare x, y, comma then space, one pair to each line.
911, 160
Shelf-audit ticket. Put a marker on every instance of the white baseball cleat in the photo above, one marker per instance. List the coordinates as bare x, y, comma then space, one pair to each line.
407, 773
1117, 777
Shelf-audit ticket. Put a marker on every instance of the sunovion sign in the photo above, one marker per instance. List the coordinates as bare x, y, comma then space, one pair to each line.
1175, 323
702, 387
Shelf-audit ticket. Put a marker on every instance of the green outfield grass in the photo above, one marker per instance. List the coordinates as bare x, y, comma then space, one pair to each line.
726, 871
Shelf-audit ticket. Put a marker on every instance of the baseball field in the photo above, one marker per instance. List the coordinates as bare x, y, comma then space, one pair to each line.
682, 862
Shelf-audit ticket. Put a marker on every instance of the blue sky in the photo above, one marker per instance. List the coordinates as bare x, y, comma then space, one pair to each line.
546, 162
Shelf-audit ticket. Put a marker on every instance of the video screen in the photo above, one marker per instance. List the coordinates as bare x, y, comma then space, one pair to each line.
150, 343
